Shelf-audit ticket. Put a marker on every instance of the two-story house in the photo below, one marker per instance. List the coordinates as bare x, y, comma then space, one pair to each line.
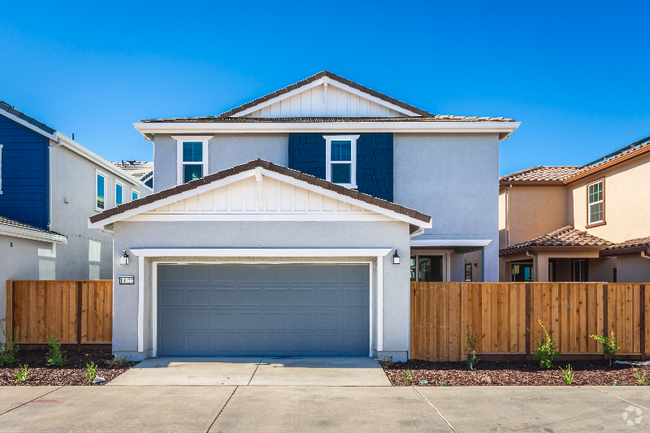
293, 224
578, 223
49, 186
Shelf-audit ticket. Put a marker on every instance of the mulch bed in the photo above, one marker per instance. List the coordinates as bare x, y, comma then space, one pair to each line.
511, 373
73, 373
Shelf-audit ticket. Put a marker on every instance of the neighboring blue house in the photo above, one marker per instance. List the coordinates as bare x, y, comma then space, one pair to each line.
310, 249
49, 186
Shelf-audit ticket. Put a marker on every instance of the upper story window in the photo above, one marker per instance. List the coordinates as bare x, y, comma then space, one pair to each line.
596, 202
341, 159
119, 194
100, 188
192, 158
135, 194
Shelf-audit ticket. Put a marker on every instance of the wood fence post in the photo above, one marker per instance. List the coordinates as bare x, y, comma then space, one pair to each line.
642, 307
528, 319
605, 311
79, 304
9, 328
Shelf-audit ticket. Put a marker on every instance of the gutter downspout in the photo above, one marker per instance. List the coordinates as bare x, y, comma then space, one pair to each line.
49, 176
508, 215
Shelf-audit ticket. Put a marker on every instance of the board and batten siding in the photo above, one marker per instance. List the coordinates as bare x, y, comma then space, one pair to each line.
24, 174
315, 102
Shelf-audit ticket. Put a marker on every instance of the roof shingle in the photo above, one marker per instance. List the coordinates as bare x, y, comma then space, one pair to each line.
11, 110
627, 247
565, 237
17, 224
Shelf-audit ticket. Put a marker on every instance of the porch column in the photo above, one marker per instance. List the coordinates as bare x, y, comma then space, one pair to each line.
540, 263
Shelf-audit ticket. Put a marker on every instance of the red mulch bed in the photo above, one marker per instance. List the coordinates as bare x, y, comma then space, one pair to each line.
73, 373
512, 373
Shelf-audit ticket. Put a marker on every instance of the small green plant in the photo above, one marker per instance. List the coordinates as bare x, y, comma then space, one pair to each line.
408, 374
640, 375
442, 384
615, 384
119, 361
568, 374
386, 361
21, 373
8, 349
470, 350
546, 349
91, 371
608, 345
55, 356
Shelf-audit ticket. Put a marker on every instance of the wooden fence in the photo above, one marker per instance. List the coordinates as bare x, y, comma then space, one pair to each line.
78, 312
501, 313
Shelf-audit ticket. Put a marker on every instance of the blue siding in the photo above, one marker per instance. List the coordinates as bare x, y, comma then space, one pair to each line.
24, 174
374, 161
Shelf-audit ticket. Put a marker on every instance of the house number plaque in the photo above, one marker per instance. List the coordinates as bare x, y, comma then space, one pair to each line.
127, 280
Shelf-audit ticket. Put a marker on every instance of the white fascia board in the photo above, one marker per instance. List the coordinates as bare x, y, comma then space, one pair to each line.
33, 235
93, 157
260, 216
279, 98
261, 252
415, 127
451, 243
28, 125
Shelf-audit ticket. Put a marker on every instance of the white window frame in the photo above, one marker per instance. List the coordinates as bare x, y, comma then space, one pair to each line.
205, 139
123, 189
353, 158
0, 168
136, 192
105, 176
589, 205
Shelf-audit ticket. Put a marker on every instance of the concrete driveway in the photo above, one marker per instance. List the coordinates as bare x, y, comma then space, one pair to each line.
255, 371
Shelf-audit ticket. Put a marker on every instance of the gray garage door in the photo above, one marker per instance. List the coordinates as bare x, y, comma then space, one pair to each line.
263, 310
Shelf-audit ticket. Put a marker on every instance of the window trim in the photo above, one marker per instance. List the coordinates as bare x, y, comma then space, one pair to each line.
604, 220
136, 192
123, 188
180, 139
105, 176
353, 158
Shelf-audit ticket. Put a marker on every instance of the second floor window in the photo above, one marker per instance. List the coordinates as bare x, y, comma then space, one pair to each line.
100, 200
135, 195
341, 159
596, 200
119, 194
192, 157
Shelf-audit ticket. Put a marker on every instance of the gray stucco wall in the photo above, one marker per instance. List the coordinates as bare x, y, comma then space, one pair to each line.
396, 299
632, 268
453, 178
224, 151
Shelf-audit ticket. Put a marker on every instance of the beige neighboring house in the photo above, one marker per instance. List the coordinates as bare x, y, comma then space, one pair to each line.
578, 223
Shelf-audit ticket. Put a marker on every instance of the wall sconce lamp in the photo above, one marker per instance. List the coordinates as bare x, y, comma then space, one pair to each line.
395, 258
124, 258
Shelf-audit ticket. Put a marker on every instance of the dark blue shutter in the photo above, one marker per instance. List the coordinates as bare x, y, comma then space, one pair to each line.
375, 165
307, 154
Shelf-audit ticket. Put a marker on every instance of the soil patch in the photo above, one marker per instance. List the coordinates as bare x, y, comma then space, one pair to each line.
512, 373
73, 373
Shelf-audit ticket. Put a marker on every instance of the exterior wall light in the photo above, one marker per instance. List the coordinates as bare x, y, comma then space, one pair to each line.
395, 258
124, 258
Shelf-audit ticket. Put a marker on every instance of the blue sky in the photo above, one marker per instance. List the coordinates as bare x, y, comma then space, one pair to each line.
576, 74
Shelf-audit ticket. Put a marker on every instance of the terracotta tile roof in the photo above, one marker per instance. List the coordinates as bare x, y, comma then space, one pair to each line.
11, 110
627, 247
542, 173
436, 118
564, 237
316, 77
17, 224
268, 166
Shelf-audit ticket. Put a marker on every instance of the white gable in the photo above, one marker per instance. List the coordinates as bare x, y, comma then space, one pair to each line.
325, 98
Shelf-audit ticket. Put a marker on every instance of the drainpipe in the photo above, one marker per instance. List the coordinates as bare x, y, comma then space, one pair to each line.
508, 215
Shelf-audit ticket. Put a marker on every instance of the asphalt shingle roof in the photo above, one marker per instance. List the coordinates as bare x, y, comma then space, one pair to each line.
17, 224
11, 110
565, 237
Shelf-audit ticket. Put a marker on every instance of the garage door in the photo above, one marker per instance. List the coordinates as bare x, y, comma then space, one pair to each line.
263, 310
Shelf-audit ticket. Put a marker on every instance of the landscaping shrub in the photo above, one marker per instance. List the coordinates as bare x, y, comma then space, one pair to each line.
546, 349
8, 349
470, 350
55, 356
608, 345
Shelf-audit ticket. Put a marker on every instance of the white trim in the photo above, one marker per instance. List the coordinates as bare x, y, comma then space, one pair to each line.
33, 235
250, 173
28, 125
180, 164
415, 127
260, 252
589, 205
353, 158
1, 168
123, 189
141, 277
105, 176
134, 191
260, 216
451, 242
154, 300
380, 304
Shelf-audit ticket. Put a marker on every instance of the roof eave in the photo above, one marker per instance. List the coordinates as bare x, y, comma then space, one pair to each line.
625, 250
33, 235
530, 183
555, 248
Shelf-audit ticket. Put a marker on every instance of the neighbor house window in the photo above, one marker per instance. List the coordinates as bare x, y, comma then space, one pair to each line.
522, 272
468, 272
192, 154
119, 194
100, 200
341, 159
427, 268
596, 199
580, 271
135, 194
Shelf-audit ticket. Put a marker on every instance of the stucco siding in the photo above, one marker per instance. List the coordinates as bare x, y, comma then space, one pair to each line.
396, 300
632, 268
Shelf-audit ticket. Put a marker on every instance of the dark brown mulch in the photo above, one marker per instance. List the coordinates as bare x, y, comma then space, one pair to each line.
73, 373
512, 373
